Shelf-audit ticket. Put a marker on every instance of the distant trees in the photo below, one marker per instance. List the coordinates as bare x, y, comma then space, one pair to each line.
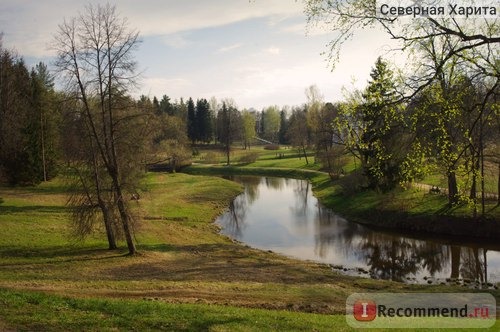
28, 122
94, 53
200, 121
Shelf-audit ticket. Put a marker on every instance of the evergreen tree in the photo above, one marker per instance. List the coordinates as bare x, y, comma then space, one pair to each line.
192, 125
166, 107
204, 121
27, 125
383, 123
156, 106
282, 137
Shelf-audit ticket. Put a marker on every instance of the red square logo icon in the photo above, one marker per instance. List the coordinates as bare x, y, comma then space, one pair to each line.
364, 310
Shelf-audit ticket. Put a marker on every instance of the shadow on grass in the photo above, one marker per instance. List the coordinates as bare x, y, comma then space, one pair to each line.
220, 262
58, 254
10, 209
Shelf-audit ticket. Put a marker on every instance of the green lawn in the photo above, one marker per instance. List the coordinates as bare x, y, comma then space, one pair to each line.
186, 276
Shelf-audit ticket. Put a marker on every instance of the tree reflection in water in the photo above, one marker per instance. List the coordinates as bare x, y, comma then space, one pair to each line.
332, 239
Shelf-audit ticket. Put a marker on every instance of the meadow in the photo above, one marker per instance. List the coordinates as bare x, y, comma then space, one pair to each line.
186, 276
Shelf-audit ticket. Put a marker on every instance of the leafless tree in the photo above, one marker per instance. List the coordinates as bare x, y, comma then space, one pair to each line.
95, 55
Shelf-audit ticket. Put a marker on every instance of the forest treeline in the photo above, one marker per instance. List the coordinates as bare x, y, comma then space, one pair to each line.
442, 119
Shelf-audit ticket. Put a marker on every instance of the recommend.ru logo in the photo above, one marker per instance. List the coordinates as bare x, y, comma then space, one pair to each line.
421, 310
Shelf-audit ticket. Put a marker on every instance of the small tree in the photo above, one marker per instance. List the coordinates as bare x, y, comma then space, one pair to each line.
229, 127
248, 124
271, 123
298, 131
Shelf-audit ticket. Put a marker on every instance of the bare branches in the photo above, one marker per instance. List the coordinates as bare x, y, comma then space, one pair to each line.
95, 53
346, 17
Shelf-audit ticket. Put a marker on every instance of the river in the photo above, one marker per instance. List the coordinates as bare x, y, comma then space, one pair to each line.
283, 216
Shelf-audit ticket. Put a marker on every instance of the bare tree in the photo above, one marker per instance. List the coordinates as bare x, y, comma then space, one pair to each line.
95, 55
298, 131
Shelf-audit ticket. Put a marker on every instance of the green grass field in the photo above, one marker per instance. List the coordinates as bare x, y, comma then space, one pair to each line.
186, 276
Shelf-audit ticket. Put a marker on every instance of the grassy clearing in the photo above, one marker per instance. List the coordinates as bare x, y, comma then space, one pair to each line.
182, 260
38, 311
186, 277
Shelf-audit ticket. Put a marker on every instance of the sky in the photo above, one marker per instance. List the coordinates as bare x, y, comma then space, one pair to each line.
257, 52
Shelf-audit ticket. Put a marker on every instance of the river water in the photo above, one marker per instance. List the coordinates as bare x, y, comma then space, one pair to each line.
282, 215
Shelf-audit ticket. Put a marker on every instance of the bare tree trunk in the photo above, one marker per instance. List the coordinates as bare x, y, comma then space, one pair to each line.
452, 188
305, 154
108, 223
481, 155
98, 44
42, 139
455, 262
498, 189
473, 188
125, 219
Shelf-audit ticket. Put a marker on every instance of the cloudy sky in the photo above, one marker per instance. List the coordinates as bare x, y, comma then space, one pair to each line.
254, 51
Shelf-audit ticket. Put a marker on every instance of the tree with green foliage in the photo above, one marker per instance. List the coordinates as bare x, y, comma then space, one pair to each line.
382, 145
248, 126
346, 18
271, 123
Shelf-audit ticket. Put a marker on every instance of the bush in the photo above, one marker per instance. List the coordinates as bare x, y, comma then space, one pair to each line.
212, 157
272, 147
353, 182
248, 158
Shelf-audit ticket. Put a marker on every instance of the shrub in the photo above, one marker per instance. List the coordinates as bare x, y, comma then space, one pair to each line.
249, 157
212, 157
272, 147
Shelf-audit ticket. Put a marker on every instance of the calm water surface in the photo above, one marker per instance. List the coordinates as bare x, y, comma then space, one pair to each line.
282, 215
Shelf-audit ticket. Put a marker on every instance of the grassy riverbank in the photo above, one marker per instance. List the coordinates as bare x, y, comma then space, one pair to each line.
186, 277
412, 209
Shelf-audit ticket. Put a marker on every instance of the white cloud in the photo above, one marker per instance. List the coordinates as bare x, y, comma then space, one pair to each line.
279, 62
177, 41
303, 29
229, 48
29, 25
171, 16
273, 50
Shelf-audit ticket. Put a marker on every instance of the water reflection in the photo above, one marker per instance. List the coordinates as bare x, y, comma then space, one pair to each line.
282, 215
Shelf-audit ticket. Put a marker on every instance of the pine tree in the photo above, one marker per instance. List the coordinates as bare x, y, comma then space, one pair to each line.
204, 121
192, 125
383, 122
